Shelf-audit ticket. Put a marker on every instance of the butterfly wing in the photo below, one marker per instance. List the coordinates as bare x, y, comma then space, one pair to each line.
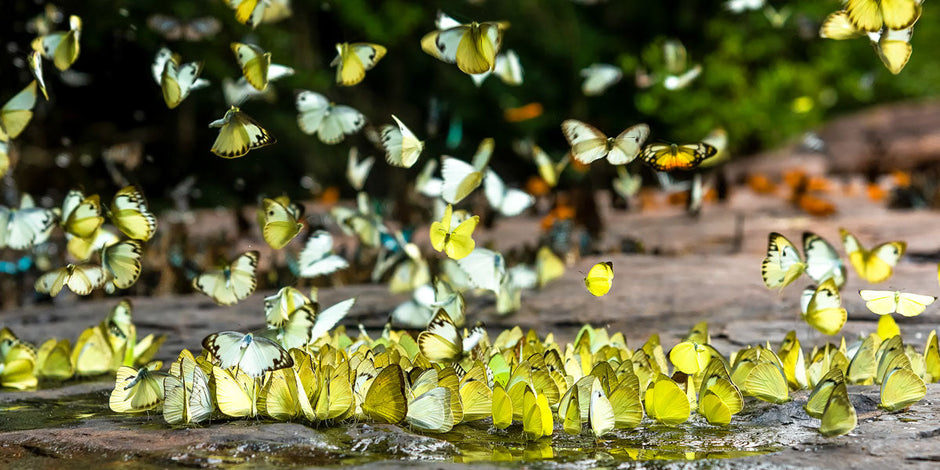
254, 63
485, 268
338, 122
911, 305
122, 262
130, 214
600, 278
327, 319
317, 258
587, 143
312, 108
441, 342
402, 148
280, 226
822, 260
460, 179
783, 264
627, 145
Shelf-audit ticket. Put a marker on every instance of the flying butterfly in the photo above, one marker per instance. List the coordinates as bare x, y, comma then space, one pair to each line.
507, 201
872, 15
352, 61
461, 178
875, 265
893, 47
824, 310
822, 260
473, 46
549, 170
485, 268
330, 122
589, 144
232, 283
281, 223
783, 264
507, 68
357, 171
600, 278
174, 29
599, 77
61, 47
80, 279
249, 12
121, 262
317, 257
178, 80
238, 134
457, 242
35, 67
884, 302
130, 213
670, 157
17, 112
402, 147
81, 216
255, 63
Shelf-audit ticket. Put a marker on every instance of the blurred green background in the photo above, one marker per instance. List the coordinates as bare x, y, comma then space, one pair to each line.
766, 77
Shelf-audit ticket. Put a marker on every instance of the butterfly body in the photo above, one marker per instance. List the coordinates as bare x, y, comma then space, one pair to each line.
238, 134
671, 157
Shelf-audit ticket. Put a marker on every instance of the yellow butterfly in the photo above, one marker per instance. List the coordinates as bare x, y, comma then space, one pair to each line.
589, 144
352, 61
863, 367
875, 265
767, 381
461, 178
92, 354
885, 302
601, 412
549, 170
238, 134
600, 278
53, 360
254, 62
824, 310
385, 401
61, 48
537, 420
690, 357
900, 389
819, 397
137, 390
17, 112
894, 48
666, 402
121, 262
872, 15
249, 12
548, 266
838, 26
81, 216
82, 248
839, 416
177, 80
887, 327
473, 47
280, 222
402, 147
80, 279
457, 242
441, 342
431, 411
932, 358
237, 396
783, 264
477, 399
130, 214
280, 397
232, 283
669, 157
17, 363
35, 66
502, 407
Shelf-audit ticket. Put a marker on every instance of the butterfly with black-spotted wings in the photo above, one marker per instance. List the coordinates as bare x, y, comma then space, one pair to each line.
252, 355
589, 144
238, 133
353, 60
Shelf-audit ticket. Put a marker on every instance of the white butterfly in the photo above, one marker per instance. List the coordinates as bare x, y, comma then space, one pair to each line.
485, 268
589, 144
357, 171
416, 312
678, 82
252, 355
402, 147
295, 332
317, 258
329, 121
238, 91
447, 297
507, 201
177, 80
278, 307
231, 283
426, 183
822, 260
599, 77
27, 226
462, 178
508, 69
80, 278
327, 319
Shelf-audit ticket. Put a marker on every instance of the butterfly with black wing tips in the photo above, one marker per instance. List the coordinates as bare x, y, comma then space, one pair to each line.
473, 46
670, 157
251, 354
176, 79
441, 342
352, 61
238, 134
61, 47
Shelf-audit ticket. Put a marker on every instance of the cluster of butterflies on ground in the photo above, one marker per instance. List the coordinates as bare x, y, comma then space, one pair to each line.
821, 305
441, 377
99, 349
888, 25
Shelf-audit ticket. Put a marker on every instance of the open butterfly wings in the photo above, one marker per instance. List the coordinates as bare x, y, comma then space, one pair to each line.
238, 134
233, 283
589, 144
671, 157
317, 257
352, 61
506, 201
251, 354
330, 122
473, 47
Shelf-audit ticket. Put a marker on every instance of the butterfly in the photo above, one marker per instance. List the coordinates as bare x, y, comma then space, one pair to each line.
417, 311
186, 393
885, 302
82, 248
473, 46
238, 134
80, 279
251, 354
249, 12
824, 309
766, 381
238, 91
872, 15
137, 390
294, 332
53, 360
822, 260
174, 29
501, 407
589, 144
462, 178
875, 265
839, 417
328, 318
317, 257
549, 170
783, 264
331, 122
537, 420
666, 402
431, 411
485, 268
599, 77
17, 112
26, 226
669, 157
901, 388
600, 278
357, 171
507, 68
507, 201
121, 263
177, 80
601, 412
235, 394
426, 183
233, 282
60, 47
690, 357
130, 214
402, 147
280, 223
838, 26
81, 216
674, 82
893, 47
17, 362
352, 61
35, 67
254, 62
720, 401
385, 401
441, 342
457, 242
